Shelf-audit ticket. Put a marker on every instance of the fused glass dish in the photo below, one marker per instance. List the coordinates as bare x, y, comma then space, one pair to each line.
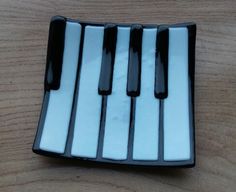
119, 93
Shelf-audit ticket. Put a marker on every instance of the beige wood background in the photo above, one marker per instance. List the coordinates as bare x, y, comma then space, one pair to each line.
23, 42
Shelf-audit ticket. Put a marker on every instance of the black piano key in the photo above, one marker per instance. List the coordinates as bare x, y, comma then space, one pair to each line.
161, 71
134, 69
55, 53
108, 58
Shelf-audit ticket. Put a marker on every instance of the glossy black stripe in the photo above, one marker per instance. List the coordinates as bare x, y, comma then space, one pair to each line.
55, 53
131, 128
108, 58
191, 71
135, 52
102, 127
161, 71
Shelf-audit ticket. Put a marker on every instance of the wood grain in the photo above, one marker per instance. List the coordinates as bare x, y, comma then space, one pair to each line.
23, 41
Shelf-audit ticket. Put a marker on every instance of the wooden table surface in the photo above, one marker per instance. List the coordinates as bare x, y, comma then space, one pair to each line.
23, 42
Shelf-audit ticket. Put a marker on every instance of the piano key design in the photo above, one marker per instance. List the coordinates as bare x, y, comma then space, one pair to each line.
119, 93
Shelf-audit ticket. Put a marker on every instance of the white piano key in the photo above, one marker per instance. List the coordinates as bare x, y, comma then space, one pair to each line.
176, 105
145, 146
87, 120
115, 144
57, 119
